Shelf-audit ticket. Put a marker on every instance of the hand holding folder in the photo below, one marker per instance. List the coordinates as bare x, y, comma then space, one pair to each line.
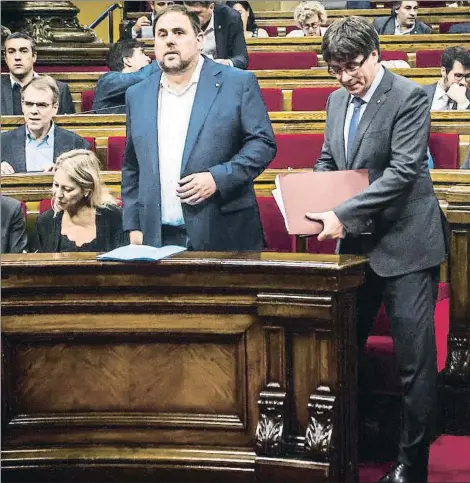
315, 191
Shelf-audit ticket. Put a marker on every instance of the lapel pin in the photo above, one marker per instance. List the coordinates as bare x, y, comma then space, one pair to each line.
378, 102
217, 84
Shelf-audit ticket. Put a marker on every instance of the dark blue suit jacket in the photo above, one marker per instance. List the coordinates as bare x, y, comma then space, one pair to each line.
229, 134
110, 92
430, 90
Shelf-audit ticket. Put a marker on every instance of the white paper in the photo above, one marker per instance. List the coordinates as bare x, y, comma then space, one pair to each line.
277, 195
140, 253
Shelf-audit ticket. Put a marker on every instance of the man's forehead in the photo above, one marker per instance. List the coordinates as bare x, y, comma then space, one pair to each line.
458, 67
17, 43
33, 94
173, 20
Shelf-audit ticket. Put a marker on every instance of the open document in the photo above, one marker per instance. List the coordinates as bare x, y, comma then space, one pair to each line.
140, 253
315, 191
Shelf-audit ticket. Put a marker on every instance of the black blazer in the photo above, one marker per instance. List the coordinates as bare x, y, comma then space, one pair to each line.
109, 234
386, 26
66, 105
12, 145
14, 237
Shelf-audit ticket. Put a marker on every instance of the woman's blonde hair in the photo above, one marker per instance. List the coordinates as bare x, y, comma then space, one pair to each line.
306, 10
83, 167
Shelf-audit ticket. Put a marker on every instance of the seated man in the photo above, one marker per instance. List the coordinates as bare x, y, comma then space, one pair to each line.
20, 56
129, 65
36, 145
451, 92
14, 238
402, 21
134, 29
224, 40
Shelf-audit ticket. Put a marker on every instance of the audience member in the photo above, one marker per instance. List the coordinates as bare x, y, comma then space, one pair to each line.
35, 146
14, 237
129, 65
385, 130
309, 17
191, 159
20, 56
84, 216
250, 29
402, 21
460, 28
222, 30
466, 163
134, 29
451, 92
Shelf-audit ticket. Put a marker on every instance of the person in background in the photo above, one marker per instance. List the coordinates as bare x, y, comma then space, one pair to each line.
466, 163
250, 29
402, 21
84, 216
20, 56
14, 237
133, 30
129, 64
310, 17
35, 146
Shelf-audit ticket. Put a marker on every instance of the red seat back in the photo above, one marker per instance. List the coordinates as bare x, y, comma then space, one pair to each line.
444, 149
282, 60
271, 29
297, 150
311, 98
23, 208
87, 100
91, 142
116, 146
44, 205
70, 68
428, 58
393, 55
272, 98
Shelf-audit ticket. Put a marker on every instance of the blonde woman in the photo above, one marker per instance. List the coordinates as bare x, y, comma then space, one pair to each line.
84, 216
310, 18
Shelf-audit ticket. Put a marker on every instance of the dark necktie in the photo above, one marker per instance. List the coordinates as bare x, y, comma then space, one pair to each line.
357, 101
17, 111
452, 105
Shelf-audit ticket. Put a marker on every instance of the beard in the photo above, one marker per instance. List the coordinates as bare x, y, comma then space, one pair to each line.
177, 68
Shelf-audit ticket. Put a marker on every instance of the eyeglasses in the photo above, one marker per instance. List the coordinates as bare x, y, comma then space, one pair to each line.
164, 4
40, 105
350, 68
459, 77
309, 26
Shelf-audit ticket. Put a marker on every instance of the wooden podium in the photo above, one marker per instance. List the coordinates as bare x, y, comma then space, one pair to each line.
205, 367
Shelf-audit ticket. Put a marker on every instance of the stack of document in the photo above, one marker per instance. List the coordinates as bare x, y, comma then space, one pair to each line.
315, 192
140, 253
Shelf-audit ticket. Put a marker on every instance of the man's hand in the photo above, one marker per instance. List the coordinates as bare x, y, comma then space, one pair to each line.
457, 93
141, 22
6, 168
48, 167
224, 62
136, 237
196, 188
332, 227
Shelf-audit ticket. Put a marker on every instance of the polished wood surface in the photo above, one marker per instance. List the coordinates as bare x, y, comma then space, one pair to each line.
202, 367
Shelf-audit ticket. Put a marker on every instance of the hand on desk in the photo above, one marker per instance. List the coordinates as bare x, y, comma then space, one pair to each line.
6, 168
332, 227
196, 188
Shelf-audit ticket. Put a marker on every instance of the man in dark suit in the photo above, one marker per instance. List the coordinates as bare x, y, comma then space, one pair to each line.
20, 56
133, 30
36, 145
451, 92
129, 65
380, 121
402, 21
198, 134
14, 237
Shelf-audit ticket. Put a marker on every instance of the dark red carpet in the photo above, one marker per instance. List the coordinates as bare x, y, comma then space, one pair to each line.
449, 461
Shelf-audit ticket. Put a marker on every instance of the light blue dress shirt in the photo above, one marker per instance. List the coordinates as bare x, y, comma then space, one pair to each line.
38, 154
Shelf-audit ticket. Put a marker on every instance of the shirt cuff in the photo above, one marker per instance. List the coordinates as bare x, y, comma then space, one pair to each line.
462, 107
231, 65
134, 33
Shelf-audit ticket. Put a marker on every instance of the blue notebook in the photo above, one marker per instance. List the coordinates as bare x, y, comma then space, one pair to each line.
139, 253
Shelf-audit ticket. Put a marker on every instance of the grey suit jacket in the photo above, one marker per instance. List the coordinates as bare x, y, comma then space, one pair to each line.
391, 142
430, 90
466, 163
386, 26
13, 144
14, 238
66, 105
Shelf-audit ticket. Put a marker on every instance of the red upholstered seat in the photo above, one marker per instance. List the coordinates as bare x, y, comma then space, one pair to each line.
44, 205
444, 149
116, 146
87, 100
23, 208
271, 29
428, 58
70, 68
311, 98
92, 142
272, 98
282, 60
394, 55
297, 150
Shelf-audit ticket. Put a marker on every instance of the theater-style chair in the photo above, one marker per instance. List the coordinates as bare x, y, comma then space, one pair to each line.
92, 142
311, 98
444, 149
46, 69
44, 205
393, 55
428, 58
271, 29
87, 100
115, 154
272, 98
282, 60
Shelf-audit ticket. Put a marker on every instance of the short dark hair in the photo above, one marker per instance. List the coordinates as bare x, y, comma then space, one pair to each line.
453, 54
119, 50
251, 23
193, 18
197, 4
347, 38
22, 35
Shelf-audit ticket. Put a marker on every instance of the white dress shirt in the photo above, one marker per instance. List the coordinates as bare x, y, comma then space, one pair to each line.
174, 112
38, 154
400, 32
210, 48
366, 99
441, 101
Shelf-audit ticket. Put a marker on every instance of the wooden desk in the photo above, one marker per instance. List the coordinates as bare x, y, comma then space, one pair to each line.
205, 367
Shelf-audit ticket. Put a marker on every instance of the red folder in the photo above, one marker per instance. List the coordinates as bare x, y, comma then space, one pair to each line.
316, 192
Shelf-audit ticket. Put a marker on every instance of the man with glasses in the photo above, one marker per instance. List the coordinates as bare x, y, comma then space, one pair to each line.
380, 121
451, 92
36, 145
